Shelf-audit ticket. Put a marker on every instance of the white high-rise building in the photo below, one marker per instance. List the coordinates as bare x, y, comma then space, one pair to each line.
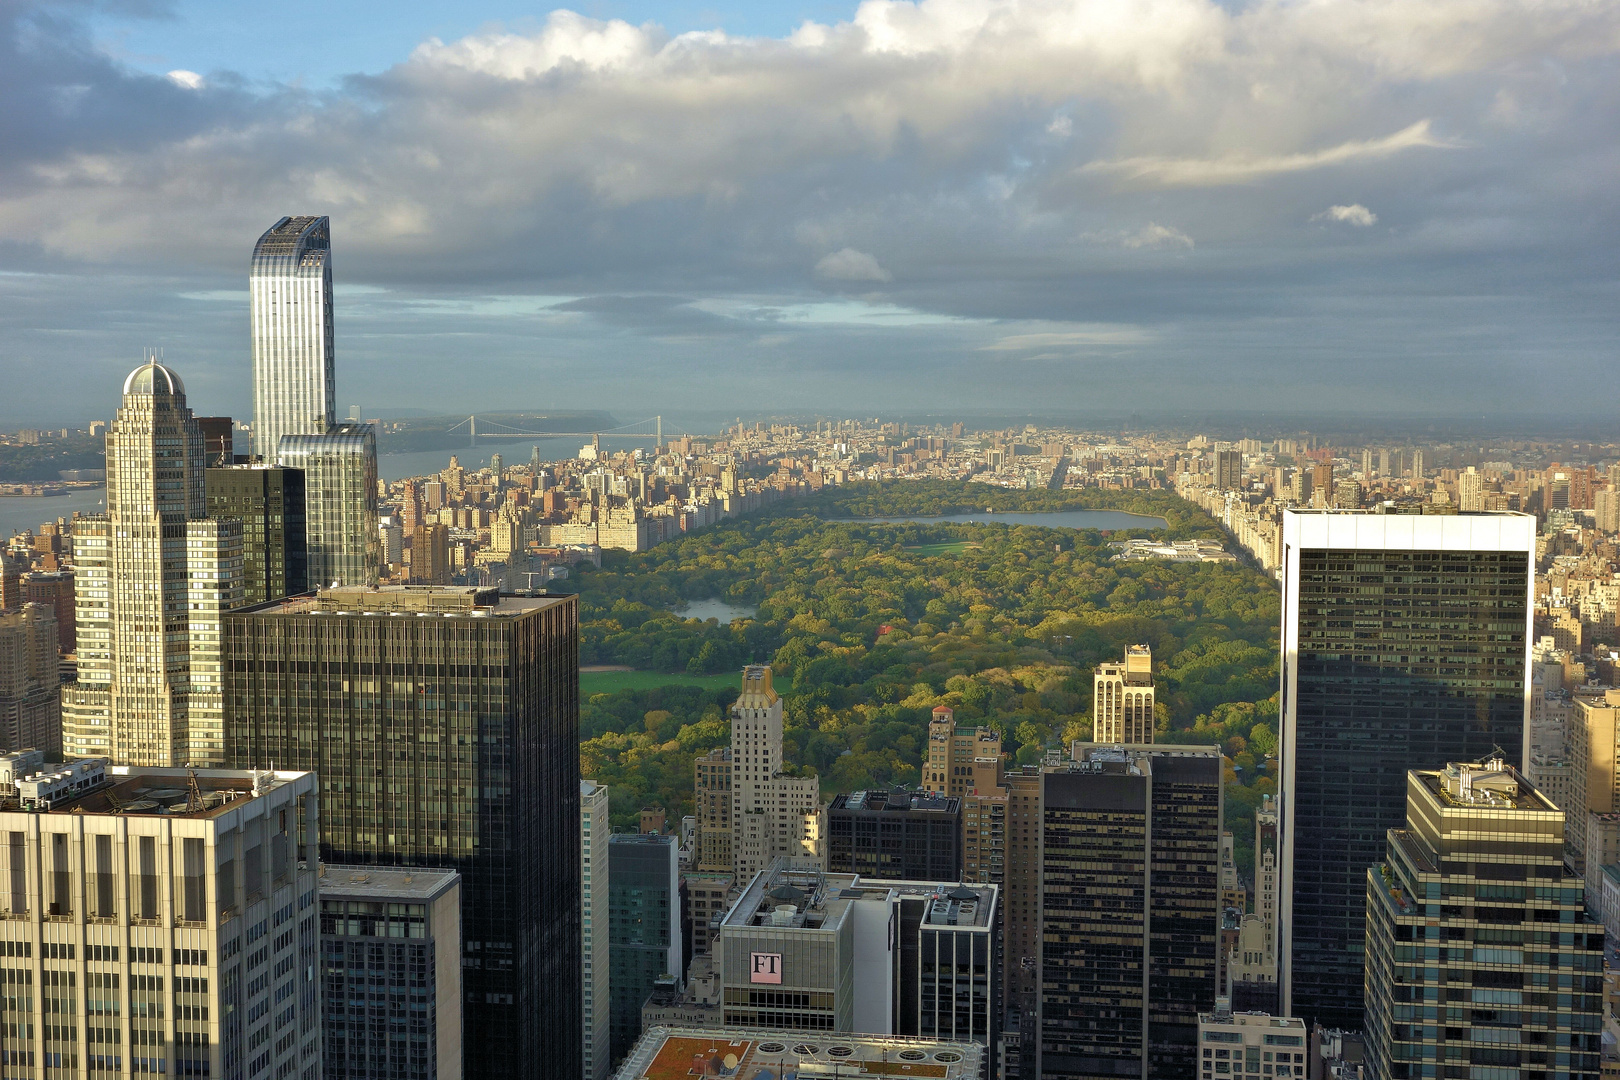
168, 918
594, 830
772, 812
1122, 698
290, 297
153, 578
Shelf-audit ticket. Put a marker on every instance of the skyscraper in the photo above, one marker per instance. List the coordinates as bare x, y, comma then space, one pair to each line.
1228, 470
594, 829
340, 503
953, 750
1131, 914
1405, 644
154, 577
900, 834
1122, 698
290, 298
644, 916
269, 502
1518, 991
444, 725
774, 809
179, 902
30, 685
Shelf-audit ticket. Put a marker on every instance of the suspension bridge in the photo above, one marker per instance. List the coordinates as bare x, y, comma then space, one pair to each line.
492, 429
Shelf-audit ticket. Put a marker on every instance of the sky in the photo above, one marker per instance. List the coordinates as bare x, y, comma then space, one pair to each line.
1356, 208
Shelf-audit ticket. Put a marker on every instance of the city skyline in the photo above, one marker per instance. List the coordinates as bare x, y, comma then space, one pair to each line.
1317, 207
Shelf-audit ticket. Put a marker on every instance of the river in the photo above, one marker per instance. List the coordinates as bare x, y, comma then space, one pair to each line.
20, 512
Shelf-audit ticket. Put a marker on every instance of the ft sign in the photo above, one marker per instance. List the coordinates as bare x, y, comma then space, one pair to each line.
765, 967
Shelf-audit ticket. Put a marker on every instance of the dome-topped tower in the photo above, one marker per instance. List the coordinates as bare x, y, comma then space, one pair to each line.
154, 378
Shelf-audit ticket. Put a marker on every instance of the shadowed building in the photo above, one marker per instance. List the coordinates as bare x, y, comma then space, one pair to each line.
444, 726
269, 502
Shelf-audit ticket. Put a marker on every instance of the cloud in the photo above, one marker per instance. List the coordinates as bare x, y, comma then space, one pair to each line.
848, 264
188, 79
1154, 235
1100, 335
1354, 214
1240, 168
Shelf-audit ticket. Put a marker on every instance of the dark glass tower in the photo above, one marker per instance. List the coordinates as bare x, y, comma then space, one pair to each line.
269, 502
1130, 911
444, 724
644, 923
1405, 645
899, 834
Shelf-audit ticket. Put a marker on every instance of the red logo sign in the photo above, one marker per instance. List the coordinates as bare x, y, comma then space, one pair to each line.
765, 967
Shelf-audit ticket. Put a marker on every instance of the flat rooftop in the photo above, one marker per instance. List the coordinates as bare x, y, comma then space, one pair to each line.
667, 1053
401, 600
821, 900
405, 884
184, 793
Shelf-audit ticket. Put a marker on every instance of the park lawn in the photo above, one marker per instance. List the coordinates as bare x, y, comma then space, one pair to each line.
948, 547
610, 682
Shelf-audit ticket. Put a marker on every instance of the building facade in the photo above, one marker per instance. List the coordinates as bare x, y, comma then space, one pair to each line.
390, 973
594, 946
1479, 868
290, 313
1405, 644
712, 803
181, 905
153, 577
1122, 699
30, 683
268, 500
952, 752
644, 916
900, 835
1131, 911
1253, 984
774, 809
1233, 1044
343, 544
444, 726
1592, 742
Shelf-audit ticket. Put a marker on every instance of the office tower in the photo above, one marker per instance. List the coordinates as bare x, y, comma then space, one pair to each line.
594, 947
153, 576
644, 916
186, 896
268, 500
1253, 984
1417, 464
30, 683
774, 811
1302, 487
1470, 491
1476, 874
1021, 923
706, 893
952, 751
1122, 698
1131, 913
444, 725
670, 1051
340, 502
390, 973
1592, 742
1405, 643
219, 440
1367, 464
712, 803
813, 951
290, 308
1229, 470
1242, 1043
1385, 463
906, 835
55, 590
392, 539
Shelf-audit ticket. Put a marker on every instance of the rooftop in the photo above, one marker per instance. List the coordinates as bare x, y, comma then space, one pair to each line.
1492, 785
679, 1053
396, 883
798, 895
400, 600
127, 789
898, 801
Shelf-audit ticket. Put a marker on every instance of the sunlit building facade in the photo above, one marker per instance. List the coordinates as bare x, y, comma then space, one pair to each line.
343, 545
290, 296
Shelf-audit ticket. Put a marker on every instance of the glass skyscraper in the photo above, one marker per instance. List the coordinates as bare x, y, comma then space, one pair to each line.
1405, 644
290, 297
342, 543
153, 578
444, 725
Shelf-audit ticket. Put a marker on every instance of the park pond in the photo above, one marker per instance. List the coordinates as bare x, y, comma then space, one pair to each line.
719, 610
1103, 520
